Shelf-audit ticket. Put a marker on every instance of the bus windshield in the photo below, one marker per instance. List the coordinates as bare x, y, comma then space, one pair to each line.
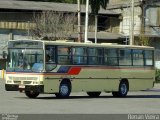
25, 60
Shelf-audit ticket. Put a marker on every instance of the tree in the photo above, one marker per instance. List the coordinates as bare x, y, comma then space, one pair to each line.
143, 39
95, 7
52, 25
97, 4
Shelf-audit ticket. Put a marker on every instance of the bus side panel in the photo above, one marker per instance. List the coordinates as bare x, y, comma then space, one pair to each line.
140, 84
95, 79
142, 80
51, 85
100, 79
95, 85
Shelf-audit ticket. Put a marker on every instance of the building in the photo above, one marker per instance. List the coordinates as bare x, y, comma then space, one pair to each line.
16, 21
146, 20
16, 18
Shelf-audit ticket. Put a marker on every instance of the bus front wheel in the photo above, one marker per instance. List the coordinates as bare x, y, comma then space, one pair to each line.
64, 90
31, 94
93, 94
123, 90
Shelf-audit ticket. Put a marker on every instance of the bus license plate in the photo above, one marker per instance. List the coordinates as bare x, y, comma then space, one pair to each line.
21, 86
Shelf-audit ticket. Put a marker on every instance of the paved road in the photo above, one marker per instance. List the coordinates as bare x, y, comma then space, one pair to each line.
79, 103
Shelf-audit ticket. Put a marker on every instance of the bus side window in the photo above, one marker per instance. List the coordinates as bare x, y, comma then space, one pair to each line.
95, 56
92, 56
50, 54
47, 58
148, 57
79, 55
105, 57
111, 57
138, 57
125, 56
64, 55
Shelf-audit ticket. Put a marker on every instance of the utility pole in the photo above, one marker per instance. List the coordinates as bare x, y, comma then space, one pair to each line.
96, 27
132, 25
79, 21
86, 22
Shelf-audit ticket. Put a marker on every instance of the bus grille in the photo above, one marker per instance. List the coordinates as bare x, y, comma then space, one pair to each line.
23, 82
23, 78
17, 82
27, 82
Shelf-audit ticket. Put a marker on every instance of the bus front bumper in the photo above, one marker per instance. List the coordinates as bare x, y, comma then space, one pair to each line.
35, 88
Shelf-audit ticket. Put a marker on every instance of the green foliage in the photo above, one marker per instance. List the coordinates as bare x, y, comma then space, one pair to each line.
97, 4
144, 40
157, 77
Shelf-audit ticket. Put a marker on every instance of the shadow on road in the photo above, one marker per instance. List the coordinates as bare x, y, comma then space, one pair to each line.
100, 97
143, 96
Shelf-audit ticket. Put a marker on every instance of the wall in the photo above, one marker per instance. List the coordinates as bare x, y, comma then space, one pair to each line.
152, 21
126, 21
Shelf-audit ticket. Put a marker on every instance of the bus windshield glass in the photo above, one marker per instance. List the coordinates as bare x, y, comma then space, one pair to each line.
25, 60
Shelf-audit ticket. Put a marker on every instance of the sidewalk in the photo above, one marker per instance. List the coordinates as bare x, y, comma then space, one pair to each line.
2, 79
157, 86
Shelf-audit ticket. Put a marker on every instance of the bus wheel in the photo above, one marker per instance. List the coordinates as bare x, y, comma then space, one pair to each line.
123, 90
115, 94
93, 94
31, 94
64, 90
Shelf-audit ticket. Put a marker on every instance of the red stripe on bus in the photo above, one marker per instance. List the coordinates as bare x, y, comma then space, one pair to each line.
74, 71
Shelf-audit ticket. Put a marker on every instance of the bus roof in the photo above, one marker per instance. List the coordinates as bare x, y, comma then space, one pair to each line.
68, 43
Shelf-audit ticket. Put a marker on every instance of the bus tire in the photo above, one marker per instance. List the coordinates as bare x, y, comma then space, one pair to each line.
93, 94
64, 90
123, 89
31, 94
115, 94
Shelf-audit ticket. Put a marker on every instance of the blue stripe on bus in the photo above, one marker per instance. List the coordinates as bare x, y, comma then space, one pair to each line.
63, 69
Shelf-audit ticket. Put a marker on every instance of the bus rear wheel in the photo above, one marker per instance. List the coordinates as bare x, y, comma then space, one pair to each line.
123, 90
93, 94
31, 94
64, 90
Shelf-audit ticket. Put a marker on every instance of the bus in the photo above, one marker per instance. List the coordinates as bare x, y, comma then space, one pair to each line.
60, 67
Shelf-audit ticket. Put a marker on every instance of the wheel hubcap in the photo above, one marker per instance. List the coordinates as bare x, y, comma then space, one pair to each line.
64, 89
123, 89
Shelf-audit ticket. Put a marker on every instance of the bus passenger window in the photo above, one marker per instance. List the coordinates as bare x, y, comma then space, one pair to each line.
92, 56
95, 56
111, 57
148, 57
50, 58
125, 56
138, 57
64, 55
50, 54
79, 55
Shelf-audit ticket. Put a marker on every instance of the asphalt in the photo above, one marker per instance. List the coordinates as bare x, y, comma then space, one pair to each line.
141, 102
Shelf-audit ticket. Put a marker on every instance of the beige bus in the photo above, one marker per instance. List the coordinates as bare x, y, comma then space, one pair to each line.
36, 66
